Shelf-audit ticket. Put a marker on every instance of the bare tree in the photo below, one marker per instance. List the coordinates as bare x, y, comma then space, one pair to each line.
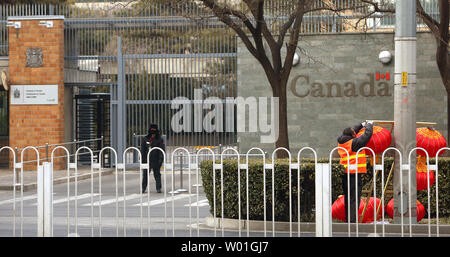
257, 29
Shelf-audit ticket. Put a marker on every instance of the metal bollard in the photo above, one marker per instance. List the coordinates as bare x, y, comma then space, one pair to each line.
323, 203
45, 200
135, 143
17, 182
181, 175
46, 148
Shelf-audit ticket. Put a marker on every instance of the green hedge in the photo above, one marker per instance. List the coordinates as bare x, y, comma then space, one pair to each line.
307, 193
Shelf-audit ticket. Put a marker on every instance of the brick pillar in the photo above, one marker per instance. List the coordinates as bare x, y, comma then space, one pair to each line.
36, 124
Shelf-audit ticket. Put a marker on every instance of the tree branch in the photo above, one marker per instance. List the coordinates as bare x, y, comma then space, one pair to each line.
293, 40
223, 13
432, 24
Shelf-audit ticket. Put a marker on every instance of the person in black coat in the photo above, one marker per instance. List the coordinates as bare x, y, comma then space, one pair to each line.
153, 139
357, 143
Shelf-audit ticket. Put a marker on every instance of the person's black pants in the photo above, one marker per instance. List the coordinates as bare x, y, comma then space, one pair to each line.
354, 205
156, 173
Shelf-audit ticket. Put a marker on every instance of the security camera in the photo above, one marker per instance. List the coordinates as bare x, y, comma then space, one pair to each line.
48, 24
15, 24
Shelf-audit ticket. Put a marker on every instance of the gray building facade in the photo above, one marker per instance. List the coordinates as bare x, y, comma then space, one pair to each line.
336, 85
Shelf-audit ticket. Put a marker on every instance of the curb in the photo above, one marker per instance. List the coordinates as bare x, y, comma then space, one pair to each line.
30, 186
258, 226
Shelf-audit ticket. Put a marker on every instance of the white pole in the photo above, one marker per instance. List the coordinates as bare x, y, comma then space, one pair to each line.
405, 107
323, 200
319, 200
48, 199
326, 200
40, 201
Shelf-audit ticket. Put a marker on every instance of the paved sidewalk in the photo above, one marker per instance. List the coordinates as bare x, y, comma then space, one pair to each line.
30, 177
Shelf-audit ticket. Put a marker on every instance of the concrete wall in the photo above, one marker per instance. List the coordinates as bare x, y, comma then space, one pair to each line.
346, 59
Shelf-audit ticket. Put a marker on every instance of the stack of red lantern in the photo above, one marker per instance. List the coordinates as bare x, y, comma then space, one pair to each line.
422, 175
432, 141
427, 138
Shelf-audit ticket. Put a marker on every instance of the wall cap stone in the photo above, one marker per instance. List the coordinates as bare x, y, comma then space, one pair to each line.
40, 17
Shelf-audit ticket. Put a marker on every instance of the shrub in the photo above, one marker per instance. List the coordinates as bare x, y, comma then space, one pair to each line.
307, 188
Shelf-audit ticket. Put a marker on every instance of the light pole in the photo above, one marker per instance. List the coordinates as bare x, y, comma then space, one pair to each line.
405, 193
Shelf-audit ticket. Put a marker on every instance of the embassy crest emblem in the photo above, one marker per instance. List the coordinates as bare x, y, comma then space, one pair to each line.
34, 57
16, 93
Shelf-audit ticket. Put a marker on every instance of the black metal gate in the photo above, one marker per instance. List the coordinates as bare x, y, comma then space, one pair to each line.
4, 127
92, 121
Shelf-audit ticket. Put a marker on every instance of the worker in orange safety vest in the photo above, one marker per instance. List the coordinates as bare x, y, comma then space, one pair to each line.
353, 170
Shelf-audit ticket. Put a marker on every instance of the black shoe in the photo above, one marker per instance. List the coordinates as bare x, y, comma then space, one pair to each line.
143, 191
158, 190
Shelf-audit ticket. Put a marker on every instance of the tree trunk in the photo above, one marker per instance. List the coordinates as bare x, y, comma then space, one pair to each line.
283, 138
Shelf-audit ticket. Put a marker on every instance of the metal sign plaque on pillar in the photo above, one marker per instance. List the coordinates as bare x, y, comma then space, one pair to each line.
405, 111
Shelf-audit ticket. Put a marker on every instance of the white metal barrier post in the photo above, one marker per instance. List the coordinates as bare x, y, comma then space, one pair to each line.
45, 200
48, 199
323, 200
40, 201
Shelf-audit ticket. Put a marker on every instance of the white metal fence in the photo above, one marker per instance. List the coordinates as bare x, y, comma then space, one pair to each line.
194, 220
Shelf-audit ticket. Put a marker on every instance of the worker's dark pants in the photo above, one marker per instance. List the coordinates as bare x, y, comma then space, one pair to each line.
353, 196
156, 173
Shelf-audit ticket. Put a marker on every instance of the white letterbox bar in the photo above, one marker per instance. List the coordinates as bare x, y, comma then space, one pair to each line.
378, 167
294, 166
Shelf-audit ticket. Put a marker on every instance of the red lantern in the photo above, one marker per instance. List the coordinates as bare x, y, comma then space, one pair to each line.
421, 175
368, 215
430, 140
422, 183
338, 209
380, 140
420, 210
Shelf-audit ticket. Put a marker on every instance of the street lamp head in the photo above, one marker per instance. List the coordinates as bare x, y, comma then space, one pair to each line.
296, 59
385, 57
